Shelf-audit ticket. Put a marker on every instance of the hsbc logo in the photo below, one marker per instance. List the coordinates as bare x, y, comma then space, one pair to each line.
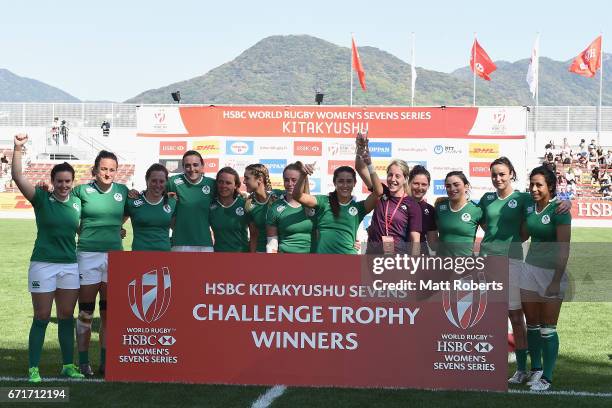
149, 295
239, 147
465, 308
307, 148
167, 340
483, 347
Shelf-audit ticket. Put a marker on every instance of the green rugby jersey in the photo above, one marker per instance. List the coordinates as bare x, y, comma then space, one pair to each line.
101, 217
56, 223
257, 215
230, 226
294, 225
194, 200
503, 219
338, 235
457, 229
151, 223
542, 227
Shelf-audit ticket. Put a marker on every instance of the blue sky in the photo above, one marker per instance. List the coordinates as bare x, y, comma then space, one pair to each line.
113, 50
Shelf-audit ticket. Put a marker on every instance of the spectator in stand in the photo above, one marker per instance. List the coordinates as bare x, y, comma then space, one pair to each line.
570, 176
571, 191
592, 145
595, 176
4, 164
64, 132
604, 182
566, 147
55, 131
105, 128
582, 161
583, 149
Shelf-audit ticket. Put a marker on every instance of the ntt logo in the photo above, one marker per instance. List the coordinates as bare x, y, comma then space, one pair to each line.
150, 294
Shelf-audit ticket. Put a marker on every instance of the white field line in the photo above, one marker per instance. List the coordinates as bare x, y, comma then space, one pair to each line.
266, 399
564, 393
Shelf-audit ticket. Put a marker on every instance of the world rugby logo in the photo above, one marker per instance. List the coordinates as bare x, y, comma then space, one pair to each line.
150, 294
465, 308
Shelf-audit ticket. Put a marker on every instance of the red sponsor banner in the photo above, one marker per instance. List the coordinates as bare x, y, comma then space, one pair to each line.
480, 169
301, 320
172, 148
592, 209
307, 148
332, 165
211, 165
304, 121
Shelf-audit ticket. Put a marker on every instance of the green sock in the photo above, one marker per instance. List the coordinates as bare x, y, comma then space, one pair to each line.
521, 359
102, 355
550, 348
534, 345
84, 357
36, 340
65, 330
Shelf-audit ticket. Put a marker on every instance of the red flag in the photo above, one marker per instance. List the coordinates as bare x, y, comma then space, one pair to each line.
484, 65
358, 67
588, 61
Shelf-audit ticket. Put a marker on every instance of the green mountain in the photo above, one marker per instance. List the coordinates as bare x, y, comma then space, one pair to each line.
14, 88
288, 70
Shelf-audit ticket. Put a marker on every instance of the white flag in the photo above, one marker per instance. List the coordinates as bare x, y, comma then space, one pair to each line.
413, 74
533, 72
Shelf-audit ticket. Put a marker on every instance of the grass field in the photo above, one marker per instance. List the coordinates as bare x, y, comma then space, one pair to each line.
584, 365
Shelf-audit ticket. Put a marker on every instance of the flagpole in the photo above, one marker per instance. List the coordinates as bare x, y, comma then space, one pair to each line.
537, 96
412, 72
474, 70
601, 59
351, 99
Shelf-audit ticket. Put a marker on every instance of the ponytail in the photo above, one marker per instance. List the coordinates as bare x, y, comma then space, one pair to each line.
334, 203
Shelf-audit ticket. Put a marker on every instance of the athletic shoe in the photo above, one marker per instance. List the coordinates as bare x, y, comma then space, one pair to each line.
34, 375
71, 371
86, 370
541, 385
534, 376
518, 378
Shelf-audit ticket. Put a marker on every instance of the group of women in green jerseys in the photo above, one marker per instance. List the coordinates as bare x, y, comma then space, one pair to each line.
208, 215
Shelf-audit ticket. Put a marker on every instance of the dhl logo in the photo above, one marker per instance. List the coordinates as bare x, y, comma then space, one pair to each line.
484, 150
206, 147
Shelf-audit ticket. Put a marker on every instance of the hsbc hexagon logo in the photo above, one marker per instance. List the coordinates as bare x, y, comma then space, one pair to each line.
465, 308
150, 294
166, 340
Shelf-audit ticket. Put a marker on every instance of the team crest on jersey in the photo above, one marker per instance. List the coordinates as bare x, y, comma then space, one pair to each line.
280, 208
90, 190
206, 189
240, 211
546, 219
51, 198
138, 203
178, 182
443, 207
466, 217
384, 197
310, 212
404, 207
167, 208
426, 211
213, 206
353, 211
529, 209
76, 206
118, 197
512, 203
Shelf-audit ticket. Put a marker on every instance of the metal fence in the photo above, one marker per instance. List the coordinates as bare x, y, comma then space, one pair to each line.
122, 115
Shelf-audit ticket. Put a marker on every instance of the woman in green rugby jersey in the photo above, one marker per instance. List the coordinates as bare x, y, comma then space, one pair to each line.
457, 218
289, 224
103, 203
195, 194
53, 272
503, 215
227, 215
152, 213
544, 279
261, 197
339, 214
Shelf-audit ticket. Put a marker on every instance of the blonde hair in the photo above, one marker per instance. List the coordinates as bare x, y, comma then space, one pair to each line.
405, 171
260, 171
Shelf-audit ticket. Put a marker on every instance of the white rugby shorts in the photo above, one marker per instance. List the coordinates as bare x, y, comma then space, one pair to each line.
46, 277
93, 267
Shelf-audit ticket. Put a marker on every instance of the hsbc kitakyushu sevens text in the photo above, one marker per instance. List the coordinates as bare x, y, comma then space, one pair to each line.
412, 264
